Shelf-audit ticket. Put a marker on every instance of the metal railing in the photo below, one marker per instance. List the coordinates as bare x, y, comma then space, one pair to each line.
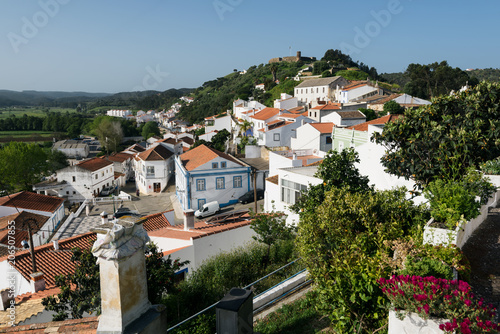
246, 287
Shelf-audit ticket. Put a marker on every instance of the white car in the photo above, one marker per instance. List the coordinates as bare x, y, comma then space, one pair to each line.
208, 209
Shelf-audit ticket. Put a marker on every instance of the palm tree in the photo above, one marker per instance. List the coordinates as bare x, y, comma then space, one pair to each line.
244, 127
273, 68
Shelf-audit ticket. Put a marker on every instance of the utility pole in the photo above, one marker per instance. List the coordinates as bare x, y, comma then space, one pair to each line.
255, 189
26, 226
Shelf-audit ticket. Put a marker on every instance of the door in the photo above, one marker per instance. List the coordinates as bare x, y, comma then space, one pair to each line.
157, 187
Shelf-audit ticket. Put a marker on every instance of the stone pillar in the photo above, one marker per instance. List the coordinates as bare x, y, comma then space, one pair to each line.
188, 219
124, 294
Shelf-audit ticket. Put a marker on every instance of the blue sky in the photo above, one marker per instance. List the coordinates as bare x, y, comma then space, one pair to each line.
112, 46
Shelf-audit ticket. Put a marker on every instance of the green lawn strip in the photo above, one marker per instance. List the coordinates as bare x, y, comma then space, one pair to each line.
298, 317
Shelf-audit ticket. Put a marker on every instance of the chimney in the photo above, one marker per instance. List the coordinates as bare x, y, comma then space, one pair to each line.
188, 219
104, 217
7, 301
56, 244
125, 307
37, 282
294, 156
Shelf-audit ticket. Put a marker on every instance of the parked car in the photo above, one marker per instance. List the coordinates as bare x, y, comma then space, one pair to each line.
208, 209
107, 191
249, 196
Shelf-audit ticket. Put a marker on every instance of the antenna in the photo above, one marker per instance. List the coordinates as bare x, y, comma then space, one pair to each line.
290, 49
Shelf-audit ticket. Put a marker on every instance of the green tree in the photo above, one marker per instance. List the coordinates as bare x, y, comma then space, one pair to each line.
150, 129
109, 132
244, 126
342, 243
81, 291
353, 75
392, 107
443, 139
22, 165
369, 113
56, 160
220, 139
270, 228
320, 66
274, 69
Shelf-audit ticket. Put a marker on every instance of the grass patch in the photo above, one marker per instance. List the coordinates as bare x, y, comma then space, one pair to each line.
31, 111
299, 317
25, 133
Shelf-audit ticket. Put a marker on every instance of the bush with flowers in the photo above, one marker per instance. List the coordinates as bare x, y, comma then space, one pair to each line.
440, 298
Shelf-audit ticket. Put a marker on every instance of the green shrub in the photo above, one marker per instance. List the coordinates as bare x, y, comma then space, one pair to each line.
491, 167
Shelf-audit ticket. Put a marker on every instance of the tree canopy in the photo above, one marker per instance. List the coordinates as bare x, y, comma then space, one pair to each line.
392, 107
445, 138
109, 132
150, 129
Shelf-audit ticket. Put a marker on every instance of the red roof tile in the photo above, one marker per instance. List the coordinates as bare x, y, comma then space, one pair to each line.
381, 120
202, 154
32, 201
118, 157
156, 221
387, 99
50, 261
81, 326
201, 229
323, 127
273, 179
94, 164
328, 106
265, 114
137, 148
288, 115
157, 153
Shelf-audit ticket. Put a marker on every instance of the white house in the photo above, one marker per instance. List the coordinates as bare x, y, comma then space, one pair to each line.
200, 241
321, 89
86, 179
218, 123
119, 113
204, 174
345, 118
73, 149
122, 163
240, 106
358, 91
284, 189
286, 102
264, 117
318, 112
291, 158
315, 136
153, 168
48, 211
281, 131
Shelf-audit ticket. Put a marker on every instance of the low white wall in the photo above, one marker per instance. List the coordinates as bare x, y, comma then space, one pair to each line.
413, 324
279, 290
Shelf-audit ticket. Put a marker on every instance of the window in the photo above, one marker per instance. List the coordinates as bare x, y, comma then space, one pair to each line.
223, 164
323, 89
328, 139
291, 191
96, 176
74, 178
67, 192
215, 165
276, 137
150, 171
102, 173
219, 183
74, 192
237, 182
200, 184
201, 202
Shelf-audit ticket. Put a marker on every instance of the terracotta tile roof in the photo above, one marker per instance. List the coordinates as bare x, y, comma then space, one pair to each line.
265, 114
174, 250
94, 164
316, 163
187, 140
318, 82
355, 85
387, 99
32, 201
202, 154
50, 261
157, 153
328, 106
137, 148
323, 127
19, 234
351, 114
81, 326
118, 157
296, 110
168, 141
201, 229
273, 179
305, 114
156, 221
289, 115
117, 175
275, 125
381, 120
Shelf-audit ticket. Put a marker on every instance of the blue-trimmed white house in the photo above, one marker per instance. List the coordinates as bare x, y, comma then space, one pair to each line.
204, 175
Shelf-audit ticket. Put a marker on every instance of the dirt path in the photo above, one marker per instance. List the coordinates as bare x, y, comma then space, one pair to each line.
483, 251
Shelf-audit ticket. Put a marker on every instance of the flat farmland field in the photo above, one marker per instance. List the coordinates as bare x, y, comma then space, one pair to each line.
31, 111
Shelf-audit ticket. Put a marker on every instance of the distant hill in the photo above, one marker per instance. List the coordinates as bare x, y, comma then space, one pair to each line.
38, 98
488, 74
